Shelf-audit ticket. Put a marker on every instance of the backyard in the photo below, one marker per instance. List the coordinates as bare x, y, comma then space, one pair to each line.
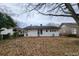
39, 46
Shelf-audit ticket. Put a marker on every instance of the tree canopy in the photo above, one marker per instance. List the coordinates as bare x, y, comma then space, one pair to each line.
6, 21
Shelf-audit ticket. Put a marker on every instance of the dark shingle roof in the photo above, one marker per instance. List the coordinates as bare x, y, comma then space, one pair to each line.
41, 27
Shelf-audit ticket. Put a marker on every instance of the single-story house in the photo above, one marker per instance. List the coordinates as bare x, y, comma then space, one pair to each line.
20, 31
41, 31
11, 32
69, 28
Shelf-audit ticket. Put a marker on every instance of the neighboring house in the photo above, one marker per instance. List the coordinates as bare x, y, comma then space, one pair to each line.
20, 31
7, 31
69, 28
41, 31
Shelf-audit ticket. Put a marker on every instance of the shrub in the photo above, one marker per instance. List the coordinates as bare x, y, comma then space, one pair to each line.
72, 35
0, 37
16, 34
6, 36
21, 35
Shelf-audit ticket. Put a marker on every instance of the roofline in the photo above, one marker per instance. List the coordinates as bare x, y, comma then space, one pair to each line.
41, 27
65, 24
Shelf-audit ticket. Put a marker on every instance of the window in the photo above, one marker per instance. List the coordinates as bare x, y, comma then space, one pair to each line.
46, 30
74, 30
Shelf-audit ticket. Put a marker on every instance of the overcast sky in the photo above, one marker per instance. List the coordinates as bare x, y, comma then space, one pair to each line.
24, 20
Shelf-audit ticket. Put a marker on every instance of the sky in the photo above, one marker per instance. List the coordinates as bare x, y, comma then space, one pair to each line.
24, 19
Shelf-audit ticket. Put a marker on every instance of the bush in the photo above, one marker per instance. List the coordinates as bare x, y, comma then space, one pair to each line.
6, 36
72, 35
21, 35
16, 34
0, 37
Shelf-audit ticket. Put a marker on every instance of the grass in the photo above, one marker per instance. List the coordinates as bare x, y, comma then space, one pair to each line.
39, 46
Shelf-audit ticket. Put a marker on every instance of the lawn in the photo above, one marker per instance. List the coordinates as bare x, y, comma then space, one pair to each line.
39, 46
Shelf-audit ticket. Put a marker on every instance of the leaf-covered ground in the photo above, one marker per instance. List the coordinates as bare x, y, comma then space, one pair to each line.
39, 46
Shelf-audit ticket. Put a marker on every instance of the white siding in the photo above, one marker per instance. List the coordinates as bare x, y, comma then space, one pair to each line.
6, 31
25, 33
35, 33
32, 33
48, 33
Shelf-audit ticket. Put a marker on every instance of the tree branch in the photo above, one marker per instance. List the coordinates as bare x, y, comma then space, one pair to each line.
74, 15
54, 14
57, 15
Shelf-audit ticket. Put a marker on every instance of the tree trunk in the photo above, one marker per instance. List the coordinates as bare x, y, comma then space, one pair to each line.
74, 15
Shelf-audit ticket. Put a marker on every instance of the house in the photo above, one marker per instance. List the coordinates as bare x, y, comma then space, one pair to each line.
69, 28
6, 31
13, 32
41, 31
20, 31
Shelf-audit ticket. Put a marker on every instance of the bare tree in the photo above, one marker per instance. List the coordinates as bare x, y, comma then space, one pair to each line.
73, 13
49, 9
55, 9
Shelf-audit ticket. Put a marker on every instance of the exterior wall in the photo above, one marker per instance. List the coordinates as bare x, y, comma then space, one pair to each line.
44, 33
48, 33
32, 33
77, 31
68, 30
74, 30
65, 30
6, 31
21, 32
25, 33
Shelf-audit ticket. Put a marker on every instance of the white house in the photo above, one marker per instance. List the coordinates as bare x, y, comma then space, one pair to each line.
7, 31
41, 31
